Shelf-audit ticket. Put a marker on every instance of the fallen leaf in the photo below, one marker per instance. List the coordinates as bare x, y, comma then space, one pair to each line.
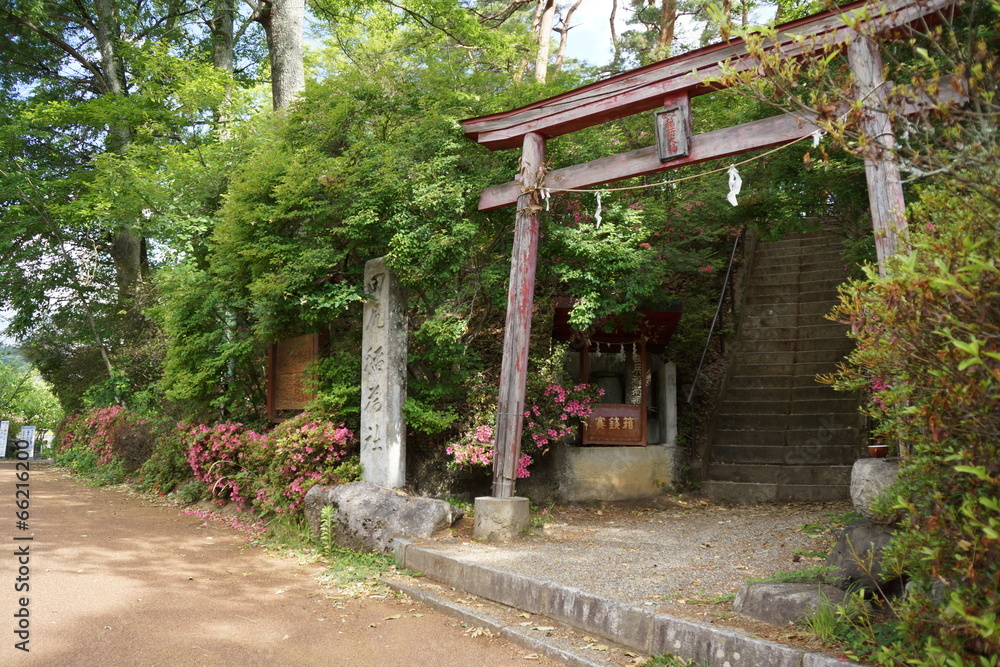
532, 656
392, 618
544, 628
524, 614
418, 616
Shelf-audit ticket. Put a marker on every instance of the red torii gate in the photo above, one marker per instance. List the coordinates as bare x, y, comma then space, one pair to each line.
671, 83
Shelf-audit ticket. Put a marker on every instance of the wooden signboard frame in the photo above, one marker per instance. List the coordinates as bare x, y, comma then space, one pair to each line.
287, 361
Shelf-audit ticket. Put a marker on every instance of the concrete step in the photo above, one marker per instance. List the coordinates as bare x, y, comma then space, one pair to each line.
743, 492
780, 474
794, 275
776, 455
751, 347
825, 435
766, 299
794, 288
770, 258
784, 402
820, 393
801, 332
830, 357
792, 369
734, 421
818, 308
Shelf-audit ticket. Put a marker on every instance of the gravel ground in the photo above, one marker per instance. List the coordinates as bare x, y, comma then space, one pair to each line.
685, 557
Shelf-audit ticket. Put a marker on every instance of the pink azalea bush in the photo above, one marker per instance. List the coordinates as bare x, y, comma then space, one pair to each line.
104, 442
274, 471
224, 457
553, 417
556, 414
303, 452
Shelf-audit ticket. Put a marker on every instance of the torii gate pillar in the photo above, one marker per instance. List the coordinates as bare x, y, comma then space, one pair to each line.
885, 188
520, 299
503, 516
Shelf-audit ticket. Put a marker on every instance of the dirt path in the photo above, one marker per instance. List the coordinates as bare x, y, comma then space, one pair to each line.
115, 580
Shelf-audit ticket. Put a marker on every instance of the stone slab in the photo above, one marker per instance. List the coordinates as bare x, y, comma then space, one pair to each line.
369, 517
869, 478
784, 603
500, 519
616, 473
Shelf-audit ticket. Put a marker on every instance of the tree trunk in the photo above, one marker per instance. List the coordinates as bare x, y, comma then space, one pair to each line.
282, 21
615, 61
564, 35
222, 34
544, 39
668, 20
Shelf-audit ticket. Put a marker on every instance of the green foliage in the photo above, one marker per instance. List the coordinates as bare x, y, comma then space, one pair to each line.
25, 398
104, 443
928, 355
167, 468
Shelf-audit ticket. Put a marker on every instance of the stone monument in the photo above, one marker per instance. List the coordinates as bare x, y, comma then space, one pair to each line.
4, 425
383, 378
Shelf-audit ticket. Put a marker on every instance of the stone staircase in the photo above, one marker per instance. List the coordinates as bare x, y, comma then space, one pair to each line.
778, 434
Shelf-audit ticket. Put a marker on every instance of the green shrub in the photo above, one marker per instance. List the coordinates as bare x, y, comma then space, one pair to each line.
928, 354
167, 467
104, 443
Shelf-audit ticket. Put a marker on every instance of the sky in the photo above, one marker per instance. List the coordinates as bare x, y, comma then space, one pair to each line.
590, 36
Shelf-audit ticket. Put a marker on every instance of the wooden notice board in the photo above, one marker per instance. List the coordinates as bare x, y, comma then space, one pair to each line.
287, 363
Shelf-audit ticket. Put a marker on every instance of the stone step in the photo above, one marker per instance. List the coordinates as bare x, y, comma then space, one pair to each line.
826, 435
818, 308
733, 421
749, 348
841, 403
780, 474
744, 492
765, 299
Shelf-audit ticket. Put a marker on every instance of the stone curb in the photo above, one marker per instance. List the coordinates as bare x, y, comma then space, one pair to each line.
637, 629
494, 625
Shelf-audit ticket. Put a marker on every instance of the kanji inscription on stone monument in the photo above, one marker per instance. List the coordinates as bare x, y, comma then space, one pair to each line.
383, 378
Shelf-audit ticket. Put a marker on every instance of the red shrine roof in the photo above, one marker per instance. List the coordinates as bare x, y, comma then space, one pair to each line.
655, 327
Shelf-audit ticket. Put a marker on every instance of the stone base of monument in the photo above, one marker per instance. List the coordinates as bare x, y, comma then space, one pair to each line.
500, 519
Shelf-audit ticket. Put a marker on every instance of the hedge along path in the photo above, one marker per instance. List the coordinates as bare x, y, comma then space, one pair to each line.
117, 580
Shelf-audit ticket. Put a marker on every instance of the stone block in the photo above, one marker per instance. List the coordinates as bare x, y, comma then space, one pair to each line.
857, 557
869, 478
716, 646
615, 620
500, 519
616, 473
369, 517
784, 603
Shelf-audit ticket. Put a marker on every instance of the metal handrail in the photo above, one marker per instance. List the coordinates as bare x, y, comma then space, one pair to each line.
718, 309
